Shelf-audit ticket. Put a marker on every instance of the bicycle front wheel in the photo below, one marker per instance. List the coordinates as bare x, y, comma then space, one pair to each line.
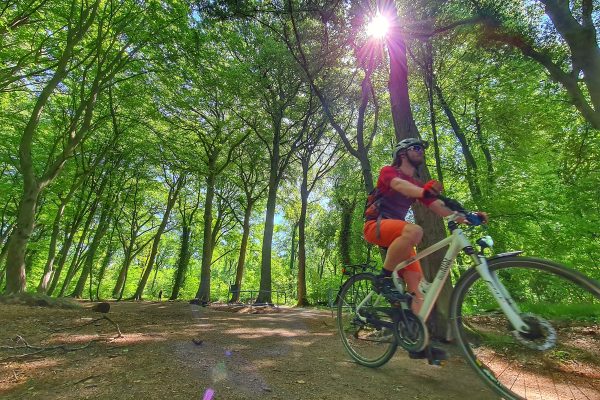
559, 356
364, 322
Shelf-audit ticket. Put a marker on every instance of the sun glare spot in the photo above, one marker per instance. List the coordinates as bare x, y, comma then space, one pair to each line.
378, 27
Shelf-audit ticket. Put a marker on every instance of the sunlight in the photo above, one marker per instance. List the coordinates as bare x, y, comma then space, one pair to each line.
378, 27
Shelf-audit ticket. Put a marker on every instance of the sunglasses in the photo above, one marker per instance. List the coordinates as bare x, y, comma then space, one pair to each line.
416, 147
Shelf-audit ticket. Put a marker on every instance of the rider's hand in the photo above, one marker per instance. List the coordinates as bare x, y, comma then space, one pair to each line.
432, 189
461, 219
483, 216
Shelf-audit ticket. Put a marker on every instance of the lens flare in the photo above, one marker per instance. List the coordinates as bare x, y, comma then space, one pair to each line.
219, 372
209, 394
378, 27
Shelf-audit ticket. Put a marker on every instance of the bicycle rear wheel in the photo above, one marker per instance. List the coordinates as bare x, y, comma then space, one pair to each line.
559, 358
364, 322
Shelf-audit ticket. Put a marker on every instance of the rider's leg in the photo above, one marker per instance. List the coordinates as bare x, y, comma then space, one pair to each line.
391, 232
413, 277
400, 237
402, 247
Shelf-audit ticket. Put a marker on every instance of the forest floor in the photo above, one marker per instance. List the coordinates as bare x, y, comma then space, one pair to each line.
175, 350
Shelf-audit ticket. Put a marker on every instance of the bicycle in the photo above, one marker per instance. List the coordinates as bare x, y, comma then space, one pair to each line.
529, 327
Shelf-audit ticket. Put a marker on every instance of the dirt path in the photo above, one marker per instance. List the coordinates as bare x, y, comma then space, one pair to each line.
182, 351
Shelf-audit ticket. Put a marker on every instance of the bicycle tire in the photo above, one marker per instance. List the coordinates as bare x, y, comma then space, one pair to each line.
549, 362
366, 343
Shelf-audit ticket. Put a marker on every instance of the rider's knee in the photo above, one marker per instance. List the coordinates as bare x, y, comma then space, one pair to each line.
414, 232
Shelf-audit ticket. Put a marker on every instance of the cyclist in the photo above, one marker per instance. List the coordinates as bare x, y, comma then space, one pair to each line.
399, 187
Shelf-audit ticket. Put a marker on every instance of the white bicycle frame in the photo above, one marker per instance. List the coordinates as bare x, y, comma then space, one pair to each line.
456, 242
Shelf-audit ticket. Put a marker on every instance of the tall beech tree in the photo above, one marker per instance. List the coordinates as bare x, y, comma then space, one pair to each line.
95, 49
249, 174
317, 156
188, 204
281, 98
329, 52
405, 127
136, 221
175, 182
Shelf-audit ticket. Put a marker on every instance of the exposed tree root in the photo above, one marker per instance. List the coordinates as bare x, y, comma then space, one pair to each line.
23, 344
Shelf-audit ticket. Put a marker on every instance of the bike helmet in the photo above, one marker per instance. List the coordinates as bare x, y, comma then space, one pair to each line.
406, 143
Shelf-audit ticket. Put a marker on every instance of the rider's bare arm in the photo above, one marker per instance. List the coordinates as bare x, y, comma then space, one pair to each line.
440, 209
406, 188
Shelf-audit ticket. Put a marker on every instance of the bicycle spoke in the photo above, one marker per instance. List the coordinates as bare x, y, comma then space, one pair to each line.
361, 319
559, 357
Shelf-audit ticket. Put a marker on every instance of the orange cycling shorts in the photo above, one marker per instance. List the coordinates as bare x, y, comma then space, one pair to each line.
389, 230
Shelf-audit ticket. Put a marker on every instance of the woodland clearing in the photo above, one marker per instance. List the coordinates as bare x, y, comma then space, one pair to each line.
182, 351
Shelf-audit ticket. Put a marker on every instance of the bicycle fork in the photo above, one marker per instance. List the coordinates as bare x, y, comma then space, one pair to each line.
502, 296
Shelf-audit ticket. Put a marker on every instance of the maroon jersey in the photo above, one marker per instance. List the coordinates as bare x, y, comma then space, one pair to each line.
393, 204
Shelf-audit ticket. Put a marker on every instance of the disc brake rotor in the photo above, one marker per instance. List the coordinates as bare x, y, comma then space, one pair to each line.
541, 335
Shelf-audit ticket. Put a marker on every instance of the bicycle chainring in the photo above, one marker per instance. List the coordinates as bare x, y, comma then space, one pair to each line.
411, 333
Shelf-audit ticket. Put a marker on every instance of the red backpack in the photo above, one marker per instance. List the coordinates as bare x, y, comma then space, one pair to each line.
373, 208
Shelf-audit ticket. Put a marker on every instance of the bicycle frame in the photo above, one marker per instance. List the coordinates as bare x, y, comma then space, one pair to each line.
456, 242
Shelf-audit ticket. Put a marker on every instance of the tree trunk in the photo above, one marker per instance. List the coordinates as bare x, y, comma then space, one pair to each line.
239, 274
203, 293
62, 257
264, 295
345, 239
101, 230
17, 243
173, 193
479, 132
405, 127
154, 278
68, 241
76, 262
293, 247
128, 258
466, 150
3, 253
429, 83
404, 124
322, 266
104, 266
74, 266
182, 263
49, 268
302, 297
125, 273
2, 275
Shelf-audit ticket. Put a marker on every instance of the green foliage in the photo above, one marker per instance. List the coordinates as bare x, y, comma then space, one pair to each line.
202, 76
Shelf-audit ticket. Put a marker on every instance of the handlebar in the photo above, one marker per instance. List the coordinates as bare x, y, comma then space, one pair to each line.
474, 219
